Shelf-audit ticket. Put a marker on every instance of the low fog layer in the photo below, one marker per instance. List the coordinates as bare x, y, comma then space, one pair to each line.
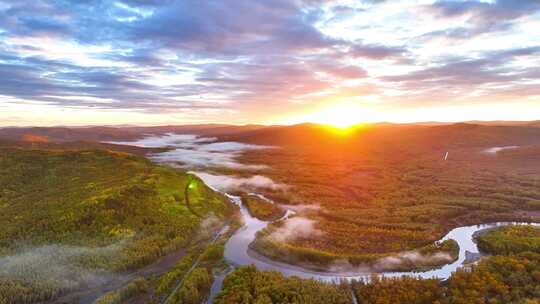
496, 150
295, 228
393, 263
232, 183
299, 227
303, 208
192, 151
412, 257
56, 266
168, 140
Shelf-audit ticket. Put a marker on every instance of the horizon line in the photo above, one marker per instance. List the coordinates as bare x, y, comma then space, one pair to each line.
124, 125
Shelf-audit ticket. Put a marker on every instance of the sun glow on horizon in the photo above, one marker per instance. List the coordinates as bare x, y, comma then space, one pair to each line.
340, 116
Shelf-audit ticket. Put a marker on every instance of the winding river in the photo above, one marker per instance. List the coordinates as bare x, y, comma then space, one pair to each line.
237, 253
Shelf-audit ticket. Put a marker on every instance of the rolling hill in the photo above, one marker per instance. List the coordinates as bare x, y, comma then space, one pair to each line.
80, 219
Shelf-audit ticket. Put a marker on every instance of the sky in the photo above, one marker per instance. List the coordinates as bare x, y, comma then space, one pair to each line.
155, 62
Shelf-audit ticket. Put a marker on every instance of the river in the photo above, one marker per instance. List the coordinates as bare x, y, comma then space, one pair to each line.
237, 251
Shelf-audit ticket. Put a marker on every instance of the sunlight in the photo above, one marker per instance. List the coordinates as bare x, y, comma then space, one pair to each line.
341, 116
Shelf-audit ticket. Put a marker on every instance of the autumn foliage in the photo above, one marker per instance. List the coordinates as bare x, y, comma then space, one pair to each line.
35, 138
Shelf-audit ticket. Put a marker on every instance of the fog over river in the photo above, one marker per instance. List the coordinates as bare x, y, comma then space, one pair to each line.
201, 154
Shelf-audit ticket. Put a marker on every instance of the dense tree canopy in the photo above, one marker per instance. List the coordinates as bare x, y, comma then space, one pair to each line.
510, 239
88, 214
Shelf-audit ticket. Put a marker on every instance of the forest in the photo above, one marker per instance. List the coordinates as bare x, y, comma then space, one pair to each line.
78, 218
80, 214
247, 285
262, 209
505, 278
510, 239
183, 283
392, 191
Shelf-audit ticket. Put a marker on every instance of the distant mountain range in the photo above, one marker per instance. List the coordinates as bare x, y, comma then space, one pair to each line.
533, 123
474, 133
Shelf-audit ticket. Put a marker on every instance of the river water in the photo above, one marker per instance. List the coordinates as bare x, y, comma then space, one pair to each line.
192, 150
237, 253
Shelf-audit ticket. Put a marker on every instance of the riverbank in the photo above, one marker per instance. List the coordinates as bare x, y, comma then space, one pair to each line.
238, 252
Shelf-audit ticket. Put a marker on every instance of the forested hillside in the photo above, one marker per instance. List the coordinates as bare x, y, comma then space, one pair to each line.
72, 218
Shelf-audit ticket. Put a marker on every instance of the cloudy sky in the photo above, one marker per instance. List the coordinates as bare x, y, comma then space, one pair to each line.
267, 61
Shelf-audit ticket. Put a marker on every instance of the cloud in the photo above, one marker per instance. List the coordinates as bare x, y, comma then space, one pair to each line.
376, 51
295, 228
214, 27
192, 151
501, 9
481, 17
227, 60
489, 73
166, 56
232, 183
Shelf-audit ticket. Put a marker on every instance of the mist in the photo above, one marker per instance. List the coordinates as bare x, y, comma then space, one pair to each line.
56, 266
167, 140
412, 258
496, 150
303, 208
192, 151
295, 228
393, 263
232, 183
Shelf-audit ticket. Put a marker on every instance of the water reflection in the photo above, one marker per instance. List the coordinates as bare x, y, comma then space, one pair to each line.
237, 252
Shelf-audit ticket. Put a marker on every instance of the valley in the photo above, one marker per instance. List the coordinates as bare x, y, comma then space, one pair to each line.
314, 211
91, 220
269, 152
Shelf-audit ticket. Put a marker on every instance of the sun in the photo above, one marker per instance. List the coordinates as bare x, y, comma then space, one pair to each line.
341, 116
